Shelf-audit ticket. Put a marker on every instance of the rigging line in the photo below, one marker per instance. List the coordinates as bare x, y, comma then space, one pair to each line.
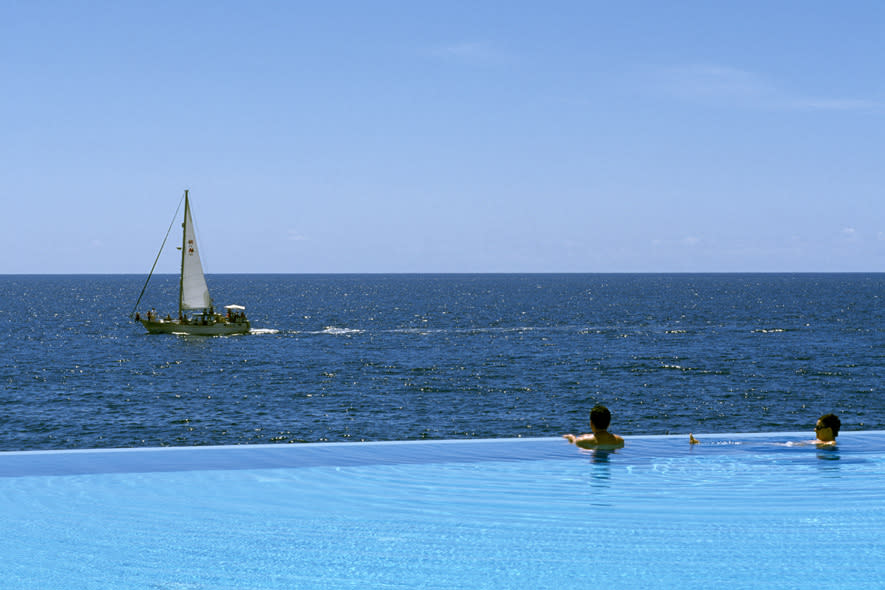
150, 274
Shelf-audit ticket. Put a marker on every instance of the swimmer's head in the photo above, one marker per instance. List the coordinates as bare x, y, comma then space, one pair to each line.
825, 422
600, 417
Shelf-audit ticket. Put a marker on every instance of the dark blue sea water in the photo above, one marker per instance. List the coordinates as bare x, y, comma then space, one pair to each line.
395, 357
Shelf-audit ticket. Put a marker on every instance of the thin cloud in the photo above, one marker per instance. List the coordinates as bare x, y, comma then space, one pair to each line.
732, 86
712, 82
685, 242
471, 52
295, 236
836, 104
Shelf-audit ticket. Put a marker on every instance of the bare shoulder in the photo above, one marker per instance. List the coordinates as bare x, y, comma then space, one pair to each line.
585, 441
608, 440
590, 441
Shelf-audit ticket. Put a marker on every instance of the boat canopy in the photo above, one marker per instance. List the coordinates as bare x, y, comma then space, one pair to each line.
235, 307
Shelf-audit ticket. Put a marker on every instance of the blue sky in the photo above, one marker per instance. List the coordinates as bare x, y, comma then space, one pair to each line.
474, 136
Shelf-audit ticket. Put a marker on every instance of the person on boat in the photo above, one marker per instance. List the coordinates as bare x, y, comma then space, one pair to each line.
601, 438
827, 429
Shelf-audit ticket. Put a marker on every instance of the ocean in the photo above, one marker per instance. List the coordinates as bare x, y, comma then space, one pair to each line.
410, 357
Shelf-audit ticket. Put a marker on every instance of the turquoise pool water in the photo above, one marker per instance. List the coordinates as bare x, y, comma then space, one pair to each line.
737, 511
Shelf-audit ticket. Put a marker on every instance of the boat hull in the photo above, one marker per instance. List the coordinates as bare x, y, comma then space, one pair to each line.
195, 328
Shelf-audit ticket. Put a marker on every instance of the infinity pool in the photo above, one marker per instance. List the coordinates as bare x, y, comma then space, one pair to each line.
736, 511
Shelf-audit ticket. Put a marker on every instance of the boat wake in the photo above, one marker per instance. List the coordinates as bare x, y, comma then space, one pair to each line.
339, 331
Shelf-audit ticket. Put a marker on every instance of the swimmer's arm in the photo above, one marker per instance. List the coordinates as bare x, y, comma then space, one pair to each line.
585, 441
805, 443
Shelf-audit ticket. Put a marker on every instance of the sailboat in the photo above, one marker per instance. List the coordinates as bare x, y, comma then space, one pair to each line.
193, 296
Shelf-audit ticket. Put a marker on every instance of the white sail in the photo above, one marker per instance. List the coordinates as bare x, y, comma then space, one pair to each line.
194, 291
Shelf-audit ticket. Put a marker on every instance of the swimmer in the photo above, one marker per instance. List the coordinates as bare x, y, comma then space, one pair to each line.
825, 432
600, 418
827, 429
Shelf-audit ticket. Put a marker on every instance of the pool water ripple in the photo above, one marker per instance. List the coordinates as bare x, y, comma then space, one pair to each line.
737, 511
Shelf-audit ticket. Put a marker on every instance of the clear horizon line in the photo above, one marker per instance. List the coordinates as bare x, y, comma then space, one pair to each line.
463, 273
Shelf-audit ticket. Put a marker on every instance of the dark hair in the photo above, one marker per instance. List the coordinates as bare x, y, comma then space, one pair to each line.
832, 422
600, 417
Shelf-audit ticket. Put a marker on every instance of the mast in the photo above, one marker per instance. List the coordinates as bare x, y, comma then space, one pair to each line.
187, 210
